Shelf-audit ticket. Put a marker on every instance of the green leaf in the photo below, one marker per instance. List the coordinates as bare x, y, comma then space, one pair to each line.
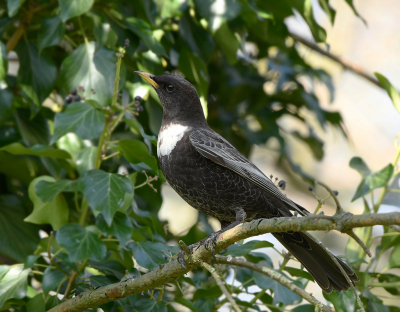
47, 190
54, 212
196, 71
391, 239
342, 301
370, 180
33, 130
13, 8
228, 43
242, 250
80, 243
393, 198
281, 293
13, 284
394, 258
109, 267
52, 279
72, 8
3, 61
36, 150
36, 304
170, 9
391, 91
217, 13
18, 239
149, 254
304, 308
394, 288
121, 227
143, 31
51, 302
91, 69
137, 153
149, 305
107, 192
80, 118
299, 273
86, 159
6, 100
353, 249
186, 303
210, 292
137, 128
51, 32
38, 74
350, 3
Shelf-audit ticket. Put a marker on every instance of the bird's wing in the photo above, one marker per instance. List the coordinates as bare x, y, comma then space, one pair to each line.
214, 147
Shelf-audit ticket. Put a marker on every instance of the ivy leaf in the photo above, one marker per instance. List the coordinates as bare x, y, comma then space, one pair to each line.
107, 192
242, 250
86, 159
36, 150
47, 190
13, 283
281, 293
13, 8
18, 239
351, 5
391, 91
54, 212
38, 75
143, 31
6, 100
72, 8
137, 153
121, 227
80, 243
149, 254
186, 303
149, 305
91, 69
370, 180
342, 301
211, 292
52, 279
51, 32
3, 61
80, 118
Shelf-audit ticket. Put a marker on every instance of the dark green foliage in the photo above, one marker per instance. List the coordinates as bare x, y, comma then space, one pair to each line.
78, 151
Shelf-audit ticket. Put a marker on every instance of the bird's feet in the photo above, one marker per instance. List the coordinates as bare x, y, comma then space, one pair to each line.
187, 250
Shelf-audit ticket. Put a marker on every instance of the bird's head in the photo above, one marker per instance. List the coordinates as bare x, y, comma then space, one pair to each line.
178, 97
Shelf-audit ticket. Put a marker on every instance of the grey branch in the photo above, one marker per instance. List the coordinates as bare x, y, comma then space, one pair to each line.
343, 222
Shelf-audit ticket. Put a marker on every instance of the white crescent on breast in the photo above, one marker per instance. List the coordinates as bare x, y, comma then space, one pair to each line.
168, 138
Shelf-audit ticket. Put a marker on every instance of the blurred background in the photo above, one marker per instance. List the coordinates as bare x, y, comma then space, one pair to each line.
370, 120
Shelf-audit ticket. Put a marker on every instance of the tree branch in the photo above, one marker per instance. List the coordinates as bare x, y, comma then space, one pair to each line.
358, 70
276, 277
341, 222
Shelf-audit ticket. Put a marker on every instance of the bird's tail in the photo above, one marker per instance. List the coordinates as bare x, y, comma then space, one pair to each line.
317, 261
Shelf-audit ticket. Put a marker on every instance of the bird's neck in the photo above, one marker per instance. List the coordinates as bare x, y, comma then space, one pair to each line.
192, 117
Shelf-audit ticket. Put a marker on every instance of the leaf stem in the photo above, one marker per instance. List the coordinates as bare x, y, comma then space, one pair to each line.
254, 300
221, 285
120, 55
85, 208
82, 30
111, 155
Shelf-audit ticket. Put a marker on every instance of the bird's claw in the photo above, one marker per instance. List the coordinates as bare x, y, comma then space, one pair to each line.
210, 242
181, 259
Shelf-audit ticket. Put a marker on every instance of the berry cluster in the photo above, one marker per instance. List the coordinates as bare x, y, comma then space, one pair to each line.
73, 96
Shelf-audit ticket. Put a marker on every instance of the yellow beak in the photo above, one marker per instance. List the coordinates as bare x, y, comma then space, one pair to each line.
147, 77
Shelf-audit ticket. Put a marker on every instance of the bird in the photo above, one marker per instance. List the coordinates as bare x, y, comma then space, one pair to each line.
212, 176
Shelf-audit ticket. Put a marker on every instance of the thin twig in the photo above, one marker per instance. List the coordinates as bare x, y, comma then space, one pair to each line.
359, 242
339, 208
221, 285
358, 70
275, 276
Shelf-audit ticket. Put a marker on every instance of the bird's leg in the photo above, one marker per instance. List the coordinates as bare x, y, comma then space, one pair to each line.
209, 241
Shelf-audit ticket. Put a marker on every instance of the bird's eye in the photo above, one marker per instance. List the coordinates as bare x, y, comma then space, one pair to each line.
170, 88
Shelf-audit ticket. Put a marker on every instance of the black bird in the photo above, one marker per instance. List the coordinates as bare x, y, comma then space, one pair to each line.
212, 176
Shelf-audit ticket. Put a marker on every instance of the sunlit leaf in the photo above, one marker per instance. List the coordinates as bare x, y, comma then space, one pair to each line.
13, 8
86, 159
370, 180
54, 212
72, 8
13, 284
390, 89
91, 69
80, 243
137, 153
